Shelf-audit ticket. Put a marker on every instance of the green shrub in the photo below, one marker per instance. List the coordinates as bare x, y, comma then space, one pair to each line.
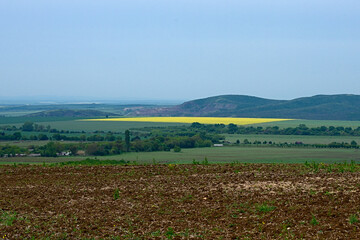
353, 219
116, 194
264, 208
313, 221
7, 218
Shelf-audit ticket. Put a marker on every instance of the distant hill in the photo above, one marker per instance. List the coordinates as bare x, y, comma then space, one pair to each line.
320, 107
70, 113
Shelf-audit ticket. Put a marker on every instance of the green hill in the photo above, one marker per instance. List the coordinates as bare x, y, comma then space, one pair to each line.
320, 107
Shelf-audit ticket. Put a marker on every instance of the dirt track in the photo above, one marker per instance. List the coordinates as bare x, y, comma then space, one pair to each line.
178, 202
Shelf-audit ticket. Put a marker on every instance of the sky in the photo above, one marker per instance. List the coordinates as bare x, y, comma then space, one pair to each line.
178, 50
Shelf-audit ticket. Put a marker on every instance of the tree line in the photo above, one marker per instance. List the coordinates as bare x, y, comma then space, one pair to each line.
34, 127
302, 129
194, 128
16, 136
157, 143
53, 149
352, 144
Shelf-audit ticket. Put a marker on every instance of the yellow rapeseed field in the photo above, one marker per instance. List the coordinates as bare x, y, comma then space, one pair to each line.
203, 120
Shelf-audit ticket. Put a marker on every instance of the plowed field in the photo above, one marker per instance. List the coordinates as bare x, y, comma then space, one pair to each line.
241, 201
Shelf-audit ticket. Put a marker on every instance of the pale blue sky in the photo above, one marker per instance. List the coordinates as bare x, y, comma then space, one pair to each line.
178, 50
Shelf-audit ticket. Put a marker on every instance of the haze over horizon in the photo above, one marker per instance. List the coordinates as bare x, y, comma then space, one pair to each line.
178, 51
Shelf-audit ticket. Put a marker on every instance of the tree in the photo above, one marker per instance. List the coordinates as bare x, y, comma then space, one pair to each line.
177, 149
73, 149
232, 128
49, 150
33, 137
196, 125
95, 149
127, 140
28, 126
16, 136
110, 137
42, 137
82, 138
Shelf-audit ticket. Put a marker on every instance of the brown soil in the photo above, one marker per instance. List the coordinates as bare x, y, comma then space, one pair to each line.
253, 201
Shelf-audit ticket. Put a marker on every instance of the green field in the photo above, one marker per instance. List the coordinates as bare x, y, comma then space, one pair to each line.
107, 126
245, 154
228, 137
220, 155
290, 138
71, 124
16, 114
21, 120
311, 123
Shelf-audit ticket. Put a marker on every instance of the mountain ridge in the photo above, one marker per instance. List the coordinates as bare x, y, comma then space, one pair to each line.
318, 107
